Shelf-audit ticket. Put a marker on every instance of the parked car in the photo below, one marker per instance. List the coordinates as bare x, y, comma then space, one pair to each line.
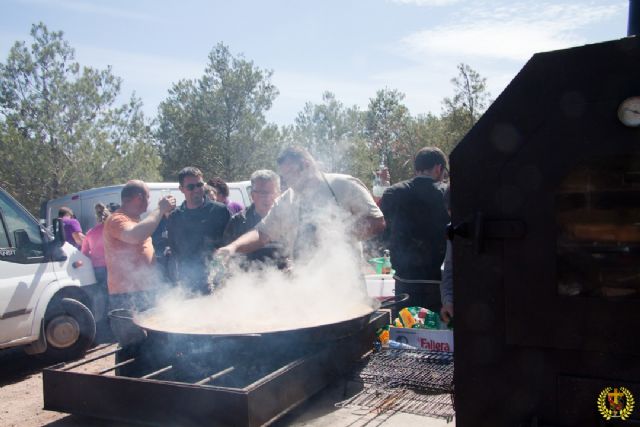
47, 287
82, 203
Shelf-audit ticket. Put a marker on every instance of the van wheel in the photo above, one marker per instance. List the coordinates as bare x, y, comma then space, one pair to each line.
69, 329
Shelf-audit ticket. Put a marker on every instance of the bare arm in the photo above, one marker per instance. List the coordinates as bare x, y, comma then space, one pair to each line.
250, 241
369, 227
85, 248
139, 232
78, 237
369, 219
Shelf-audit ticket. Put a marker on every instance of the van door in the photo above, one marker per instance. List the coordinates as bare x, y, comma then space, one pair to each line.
24, 269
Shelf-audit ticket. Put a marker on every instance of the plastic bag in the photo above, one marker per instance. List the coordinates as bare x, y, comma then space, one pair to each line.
417, 317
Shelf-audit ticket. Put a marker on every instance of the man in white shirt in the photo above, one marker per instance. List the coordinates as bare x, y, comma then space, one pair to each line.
313, 201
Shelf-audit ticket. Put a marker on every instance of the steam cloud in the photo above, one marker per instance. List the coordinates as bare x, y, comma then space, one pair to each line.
325, 286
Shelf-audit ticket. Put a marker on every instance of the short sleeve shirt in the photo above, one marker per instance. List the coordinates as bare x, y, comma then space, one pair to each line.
288, 217
129, 265
193, 236
93, 246
70, 226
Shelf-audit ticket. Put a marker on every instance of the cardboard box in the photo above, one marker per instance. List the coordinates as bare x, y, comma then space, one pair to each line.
424, 339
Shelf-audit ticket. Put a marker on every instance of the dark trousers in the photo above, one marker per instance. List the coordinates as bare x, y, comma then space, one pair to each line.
134, 301
100, 294
421, 294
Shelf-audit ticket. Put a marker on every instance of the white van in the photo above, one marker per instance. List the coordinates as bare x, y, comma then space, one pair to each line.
47, 287
82, 203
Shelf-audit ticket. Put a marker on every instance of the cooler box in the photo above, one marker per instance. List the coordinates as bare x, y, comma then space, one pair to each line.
380, 285
424, 339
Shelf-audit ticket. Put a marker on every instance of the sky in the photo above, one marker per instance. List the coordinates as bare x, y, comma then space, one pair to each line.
352, 48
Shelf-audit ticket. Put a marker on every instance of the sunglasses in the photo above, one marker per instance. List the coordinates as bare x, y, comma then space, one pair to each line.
191, 187
263, 193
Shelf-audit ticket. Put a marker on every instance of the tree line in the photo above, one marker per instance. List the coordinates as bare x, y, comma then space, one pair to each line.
61, 130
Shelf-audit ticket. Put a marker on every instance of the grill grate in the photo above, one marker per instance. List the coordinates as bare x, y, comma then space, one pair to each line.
410, 381
379, 402
417, 369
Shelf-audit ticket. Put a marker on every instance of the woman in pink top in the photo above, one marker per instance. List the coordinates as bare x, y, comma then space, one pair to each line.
93, 247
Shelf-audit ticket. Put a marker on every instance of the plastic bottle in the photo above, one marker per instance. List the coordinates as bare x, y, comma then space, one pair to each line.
386, 263
400, 345
383, 174
217, 270
380, 181
377, 188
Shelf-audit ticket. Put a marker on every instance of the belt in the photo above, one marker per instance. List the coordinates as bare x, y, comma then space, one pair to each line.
417, 281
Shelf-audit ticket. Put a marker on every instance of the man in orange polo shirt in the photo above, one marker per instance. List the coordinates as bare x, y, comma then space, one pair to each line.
132, 278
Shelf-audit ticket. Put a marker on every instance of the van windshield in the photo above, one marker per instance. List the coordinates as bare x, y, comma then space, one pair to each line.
19, 228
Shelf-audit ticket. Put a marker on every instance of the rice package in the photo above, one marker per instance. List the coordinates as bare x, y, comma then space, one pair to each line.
383, 334
417, 317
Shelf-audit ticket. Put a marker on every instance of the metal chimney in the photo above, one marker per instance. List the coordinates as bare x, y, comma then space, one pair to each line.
633, 27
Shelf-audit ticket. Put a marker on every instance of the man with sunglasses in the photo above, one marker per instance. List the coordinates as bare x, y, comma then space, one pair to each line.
194, 231
417, 218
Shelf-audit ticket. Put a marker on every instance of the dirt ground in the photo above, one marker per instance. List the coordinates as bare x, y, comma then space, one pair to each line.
21, 400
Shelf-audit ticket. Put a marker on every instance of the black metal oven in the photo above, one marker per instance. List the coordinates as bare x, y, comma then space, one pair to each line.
546, 203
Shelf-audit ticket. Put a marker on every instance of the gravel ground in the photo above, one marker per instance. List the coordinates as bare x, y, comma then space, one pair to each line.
21, 391
21, 400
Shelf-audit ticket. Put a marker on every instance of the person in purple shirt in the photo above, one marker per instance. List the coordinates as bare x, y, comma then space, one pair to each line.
72, 229
222, 195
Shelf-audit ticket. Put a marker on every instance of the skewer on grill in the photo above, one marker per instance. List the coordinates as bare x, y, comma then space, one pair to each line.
158, 372
216, 375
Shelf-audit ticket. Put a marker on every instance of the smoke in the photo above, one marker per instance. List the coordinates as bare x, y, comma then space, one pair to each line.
324, 286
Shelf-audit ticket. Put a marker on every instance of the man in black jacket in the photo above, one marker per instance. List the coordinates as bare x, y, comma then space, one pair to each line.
194, 231
416, 218
265, 189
